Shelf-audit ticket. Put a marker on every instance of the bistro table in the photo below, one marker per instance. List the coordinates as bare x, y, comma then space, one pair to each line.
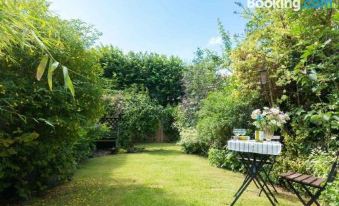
254, 156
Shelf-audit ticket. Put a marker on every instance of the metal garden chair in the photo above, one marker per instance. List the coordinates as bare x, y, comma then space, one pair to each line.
307, 182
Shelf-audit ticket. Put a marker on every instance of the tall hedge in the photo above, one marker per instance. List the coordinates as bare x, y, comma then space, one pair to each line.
159, 74
43, 133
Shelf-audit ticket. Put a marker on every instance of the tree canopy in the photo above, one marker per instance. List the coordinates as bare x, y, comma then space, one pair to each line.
159, 74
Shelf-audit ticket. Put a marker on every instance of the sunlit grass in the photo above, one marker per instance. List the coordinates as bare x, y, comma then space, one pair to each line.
162, 175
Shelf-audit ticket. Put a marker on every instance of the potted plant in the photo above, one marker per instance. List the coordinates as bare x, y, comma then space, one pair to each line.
269, 120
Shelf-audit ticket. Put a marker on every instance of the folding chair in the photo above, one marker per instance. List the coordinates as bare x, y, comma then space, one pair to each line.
307, 182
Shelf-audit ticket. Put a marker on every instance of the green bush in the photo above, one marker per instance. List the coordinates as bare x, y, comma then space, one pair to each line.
134, 117
191, 143
331, 194
43, 133
224, 158
222, 111
168, 122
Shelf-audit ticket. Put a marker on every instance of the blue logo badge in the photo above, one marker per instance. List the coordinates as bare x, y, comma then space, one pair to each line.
317, 4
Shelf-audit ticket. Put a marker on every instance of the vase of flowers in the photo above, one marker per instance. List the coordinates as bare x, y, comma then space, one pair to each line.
269, 120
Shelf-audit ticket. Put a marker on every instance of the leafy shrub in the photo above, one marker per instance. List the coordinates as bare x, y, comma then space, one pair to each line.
331, 195
168, 122
222, 111
224, 158
135, 117
191, 143
87, 145
43, 133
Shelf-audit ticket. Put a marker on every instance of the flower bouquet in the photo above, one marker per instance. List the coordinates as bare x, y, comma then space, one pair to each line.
269, 120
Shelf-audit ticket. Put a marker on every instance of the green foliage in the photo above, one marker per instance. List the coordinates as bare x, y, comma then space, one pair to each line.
133, 117
33, 31
331, 194
168, 122
222, 111
43, 133
296, 52
159, 74
191, 143
201, 78
198, 80
224, 158
136, 72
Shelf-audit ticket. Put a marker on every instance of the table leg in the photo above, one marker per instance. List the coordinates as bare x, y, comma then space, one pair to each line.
265, 192
241, 190
254, 164
245, 180
262, 160
268, 189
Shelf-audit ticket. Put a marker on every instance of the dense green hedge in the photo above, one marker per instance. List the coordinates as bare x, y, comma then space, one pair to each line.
159, 74
43, 133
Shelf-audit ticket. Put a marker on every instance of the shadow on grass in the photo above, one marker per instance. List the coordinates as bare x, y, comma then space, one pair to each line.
162, 152
94, 192
101, 165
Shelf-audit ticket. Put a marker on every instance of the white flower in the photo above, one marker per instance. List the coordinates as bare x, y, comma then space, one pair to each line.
274, 122
255, 113
275, 111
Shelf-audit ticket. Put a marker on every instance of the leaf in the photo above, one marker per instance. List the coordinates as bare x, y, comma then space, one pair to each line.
313, 76
41, 68
326, 42
316, 119
51, 69
46, 122
68, 81
27, 137
327, 116
41, 44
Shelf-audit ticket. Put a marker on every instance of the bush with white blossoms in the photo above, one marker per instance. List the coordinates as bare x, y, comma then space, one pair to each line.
269, 118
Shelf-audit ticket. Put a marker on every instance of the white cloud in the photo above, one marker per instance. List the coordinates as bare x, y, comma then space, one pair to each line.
215, 41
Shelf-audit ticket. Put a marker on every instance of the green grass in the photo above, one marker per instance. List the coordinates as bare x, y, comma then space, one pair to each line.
162, 175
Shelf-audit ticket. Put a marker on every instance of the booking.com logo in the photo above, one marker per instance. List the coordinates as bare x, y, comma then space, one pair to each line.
296, 5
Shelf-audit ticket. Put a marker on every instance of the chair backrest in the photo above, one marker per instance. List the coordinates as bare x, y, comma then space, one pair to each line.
333, 171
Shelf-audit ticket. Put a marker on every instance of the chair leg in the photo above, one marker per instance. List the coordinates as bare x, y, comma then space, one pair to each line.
314, 198
296, 192
310, 194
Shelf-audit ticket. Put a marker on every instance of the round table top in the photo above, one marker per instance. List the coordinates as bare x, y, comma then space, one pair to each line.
252, 146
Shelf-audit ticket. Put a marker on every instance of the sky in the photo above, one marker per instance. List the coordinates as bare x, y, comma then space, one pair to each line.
171, 27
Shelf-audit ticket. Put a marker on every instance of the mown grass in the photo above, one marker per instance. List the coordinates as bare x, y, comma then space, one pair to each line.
160, 176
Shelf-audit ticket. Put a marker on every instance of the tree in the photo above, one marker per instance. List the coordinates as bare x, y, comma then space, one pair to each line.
159, 74
44, 133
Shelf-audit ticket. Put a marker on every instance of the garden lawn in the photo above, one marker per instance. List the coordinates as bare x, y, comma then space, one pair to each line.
161, 175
